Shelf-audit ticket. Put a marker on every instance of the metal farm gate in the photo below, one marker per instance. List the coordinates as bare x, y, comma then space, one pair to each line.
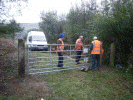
47, 61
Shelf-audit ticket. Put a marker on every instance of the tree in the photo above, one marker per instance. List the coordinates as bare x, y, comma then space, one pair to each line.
117, 29
13, 27
80, 22
51, 25
6, 7
106, 7
123, 13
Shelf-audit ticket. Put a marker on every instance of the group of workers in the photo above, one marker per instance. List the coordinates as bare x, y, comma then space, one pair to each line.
94, 48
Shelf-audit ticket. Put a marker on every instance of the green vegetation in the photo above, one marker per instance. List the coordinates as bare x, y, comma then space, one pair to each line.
116, 28
10, 29
113, 24
109, 83
51, 25
73, 84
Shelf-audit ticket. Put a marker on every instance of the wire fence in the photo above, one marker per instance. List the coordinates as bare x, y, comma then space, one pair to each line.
42, 60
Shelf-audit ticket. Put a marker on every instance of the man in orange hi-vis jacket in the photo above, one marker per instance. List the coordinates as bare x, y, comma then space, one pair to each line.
78, 47
60, 49
95, 52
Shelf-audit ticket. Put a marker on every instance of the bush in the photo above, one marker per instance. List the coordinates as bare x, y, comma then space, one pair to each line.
130, 69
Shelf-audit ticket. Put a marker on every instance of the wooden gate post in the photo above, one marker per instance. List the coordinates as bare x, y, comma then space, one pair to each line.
21, 58
112, 53
101, 55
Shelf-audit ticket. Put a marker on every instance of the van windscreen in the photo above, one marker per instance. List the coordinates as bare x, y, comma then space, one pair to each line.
38, 38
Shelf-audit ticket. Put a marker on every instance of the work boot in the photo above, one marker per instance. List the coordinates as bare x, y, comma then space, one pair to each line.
86, 69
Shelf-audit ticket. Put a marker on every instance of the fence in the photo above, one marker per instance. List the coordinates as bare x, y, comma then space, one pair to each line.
47, 61
50, 59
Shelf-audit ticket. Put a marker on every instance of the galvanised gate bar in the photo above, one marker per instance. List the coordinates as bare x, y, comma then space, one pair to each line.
46, 61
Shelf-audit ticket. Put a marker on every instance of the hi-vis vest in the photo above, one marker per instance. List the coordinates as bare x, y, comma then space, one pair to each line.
80, 43
62, 46
96, 47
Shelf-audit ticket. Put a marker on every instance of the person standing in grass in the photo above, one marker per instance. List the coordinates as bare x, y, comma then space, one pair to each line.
78, 47
95, 52
60, 49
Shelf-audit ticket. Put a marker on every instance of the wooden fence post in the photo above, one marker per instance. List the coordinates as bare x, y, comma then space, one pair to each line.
101, 55
112, 53
21, 58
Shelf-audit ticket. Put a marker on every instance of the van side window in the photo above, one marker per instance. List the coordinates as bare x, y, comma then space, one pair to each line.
30, 38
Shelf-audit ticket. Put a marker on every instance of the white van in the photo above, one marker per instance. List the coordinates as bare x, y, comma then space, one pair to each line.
36, 40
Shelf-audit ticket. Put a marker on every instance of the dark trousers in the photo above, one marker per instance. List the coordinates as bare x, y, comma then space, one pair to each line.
60, 59
95, 57
78, 56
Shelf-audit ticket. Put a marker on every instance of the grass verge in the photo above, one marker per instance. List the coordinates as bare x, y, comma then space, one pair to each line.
73, 84
108, 84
